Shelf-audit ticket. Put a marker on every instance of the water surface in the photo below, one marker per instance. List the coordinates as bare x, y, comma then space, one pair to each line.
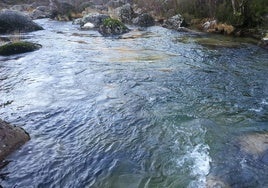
148, 109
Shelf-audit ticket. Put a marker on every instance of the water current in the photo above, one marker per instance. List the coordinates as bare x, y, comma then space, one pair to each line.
152, 108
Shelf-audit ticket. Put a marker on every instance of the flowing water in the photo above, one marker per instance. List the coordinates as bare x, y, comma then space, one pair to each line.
152, 108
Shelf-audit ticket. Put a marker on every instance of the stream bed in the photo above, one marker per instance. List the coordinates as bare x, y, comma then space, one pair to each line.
152, 108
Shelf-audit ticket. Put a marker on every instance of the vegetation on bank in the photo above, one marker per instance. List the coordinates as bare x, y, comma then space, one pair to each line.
239, 13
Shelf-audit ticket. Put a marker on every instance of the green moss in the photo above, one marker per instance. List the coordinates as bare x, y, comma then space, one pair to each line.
18, 48
113, 23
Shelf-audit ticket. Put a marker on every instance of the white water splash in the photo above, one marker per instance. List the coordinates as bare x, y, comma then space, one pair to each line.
201, 167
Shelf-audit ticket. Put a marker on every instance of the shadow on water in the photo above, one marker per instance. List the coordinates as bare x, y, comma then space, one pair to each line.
144, 110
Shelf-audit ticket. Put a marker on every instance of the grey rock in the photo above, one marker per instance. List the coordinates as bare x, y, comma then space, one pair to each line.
111, 27
41, 12
144, 20
94, 18
126, 13
13, 21
175, 22
60, 9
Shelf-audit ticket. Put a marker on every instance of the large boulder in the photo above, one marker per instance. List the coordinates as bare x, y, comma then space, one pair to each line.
111, 27
144, 20
11, 138
94, 18
41, 12
18, 48
62, 11
175, 22
13, 21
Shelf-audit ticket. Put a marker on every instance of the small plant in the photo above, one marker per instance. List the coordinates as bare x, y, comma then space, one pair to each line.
113, 23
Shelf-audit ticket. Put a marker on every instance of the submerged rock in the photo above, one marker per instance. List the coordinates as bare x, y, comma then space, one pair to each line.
112, 27
144, 20
13, 21
255, 144
11, 138
18, 48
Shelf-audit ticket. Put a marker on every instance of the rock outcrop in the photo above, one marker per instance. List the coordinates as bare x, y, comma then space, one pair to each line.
13, 21
11, 138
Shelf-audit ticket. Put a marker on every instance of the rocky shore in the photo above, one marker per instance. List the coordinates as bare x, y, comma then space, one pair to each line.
128, 12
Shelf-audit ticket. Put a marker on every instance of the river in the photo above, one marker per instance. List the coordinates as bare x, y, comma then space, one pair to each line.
152, 108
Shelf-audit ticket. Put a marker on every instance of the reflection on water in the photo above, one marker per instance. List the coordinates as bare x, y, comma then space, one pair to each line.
143, 110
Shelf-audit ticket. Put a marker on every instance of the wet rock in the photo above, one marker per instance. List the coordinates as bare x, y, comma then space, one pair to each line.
126, 13
144, 20
175, 22
18, 48
112, 27
11, 138
12, 21
94, 18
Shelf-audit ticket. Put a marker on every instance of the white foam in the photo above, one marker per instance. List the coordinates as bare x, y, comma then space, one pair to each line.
201, 167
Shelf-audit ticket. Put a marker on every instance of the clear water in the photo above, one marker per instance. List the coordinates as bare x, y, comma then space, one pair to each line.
144, 110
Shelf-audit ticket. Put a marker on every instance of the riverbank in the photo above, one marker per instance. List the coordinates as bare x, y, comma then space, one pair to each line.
61, 10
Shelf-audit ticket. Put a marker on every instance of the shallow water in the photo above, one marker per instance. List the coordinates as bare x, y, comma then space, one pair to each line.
144, 110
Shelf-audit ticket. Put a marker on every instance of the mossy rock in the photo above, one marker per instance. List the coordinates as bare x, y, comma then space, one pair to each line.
18, 48
112, 26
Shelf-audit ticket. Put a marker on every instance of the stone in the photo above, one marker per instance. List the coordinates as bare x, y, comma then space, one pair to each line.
18, 48
255, 144
126, 13
111, 27
11, 138
175, 22
41, 12
61, 10
95, 18
144, 20
13, 21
